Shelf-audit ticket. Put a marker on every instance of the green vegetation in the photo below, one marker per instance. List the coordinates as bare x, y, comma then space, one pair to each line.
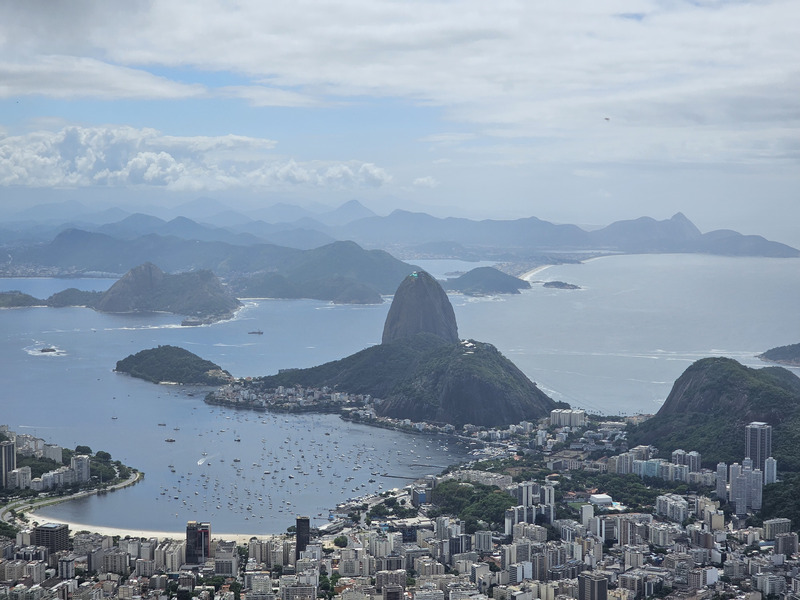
340, 541
789, 355
170, 363
780, 500
15, 299
422, 377
37, 465
390, 507
713, 400
74, 297
472, 502
340, 290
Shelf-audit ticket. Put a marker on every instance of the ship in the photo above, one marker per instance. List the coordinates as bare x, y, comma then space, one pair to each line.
255, 332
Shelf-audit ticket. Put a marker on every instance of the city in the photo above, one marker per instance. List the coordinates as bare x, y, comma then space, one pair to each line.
550, 538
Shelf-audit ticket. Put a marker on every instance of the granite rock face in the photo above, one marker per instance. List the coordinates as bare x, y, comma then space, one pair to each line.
420, 305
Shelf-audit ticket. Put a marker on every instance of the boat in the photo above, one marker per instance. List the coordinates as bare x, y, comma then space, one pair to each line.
169, 440
255, 332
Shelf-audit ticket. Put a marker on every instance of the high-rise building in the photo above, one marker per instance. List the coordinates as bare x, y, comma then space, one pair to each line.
693, 461
8, 461
722, 480
53, 536
80, 463
770, 471
758, 443
303, 535
198, 542
592, 586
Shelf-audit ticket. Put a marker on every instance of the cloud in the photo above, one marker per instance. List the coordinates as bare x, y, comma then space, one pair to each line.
69, 77
426, 182
126, 156
672, 76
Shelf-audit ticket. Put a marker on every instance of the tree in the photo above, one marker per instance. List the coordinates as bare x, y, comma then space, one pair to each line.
83, 450
340, 541
102, 455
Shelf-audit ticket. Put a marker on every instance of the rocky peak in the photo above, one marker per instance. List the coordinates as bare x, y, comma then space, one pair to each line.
420, 305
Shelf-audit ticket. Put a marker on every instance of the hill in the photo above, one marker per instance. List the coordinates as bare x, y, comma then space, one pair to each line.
785, 355
713, 400
147, 288
172, 364
422, 377
421, 371
485, 280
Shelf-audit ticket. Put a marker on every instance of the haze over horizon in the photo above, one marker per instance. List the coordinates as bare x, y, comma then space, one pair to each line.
583, 113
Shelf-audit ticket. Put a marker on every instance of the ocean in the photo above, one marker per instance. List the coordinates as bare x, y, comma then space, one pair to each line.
615, 346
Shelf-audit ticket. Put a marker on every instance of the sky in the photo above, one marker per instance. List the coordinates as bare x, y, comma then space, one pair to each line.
583, 112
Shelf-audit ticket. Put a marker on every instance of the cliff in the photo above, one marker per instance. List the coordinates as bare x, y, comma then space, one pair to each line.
420, 305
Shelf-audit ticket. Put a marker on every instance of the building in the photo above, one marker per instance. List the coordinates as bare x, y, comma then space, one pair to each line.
198, 542
80, 464
8, 461
758, 443
592, 586
53, 536
770, 471
302, 535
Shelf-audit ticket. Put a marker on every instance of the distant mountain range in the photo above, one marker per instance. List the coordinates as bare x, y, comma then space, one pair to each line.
408, 233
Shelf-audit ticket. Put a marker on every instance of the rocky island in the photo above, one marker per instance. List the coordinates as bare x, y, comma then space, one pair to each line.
485, 280
784, 355
561, 285
173, 365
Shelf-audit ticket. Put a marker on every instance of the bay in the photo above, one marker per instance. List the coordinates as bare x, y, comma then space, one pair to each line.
614, 346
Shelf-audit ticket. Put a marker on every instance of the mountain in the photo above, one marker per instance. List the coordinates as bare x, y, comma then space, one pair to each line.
403, 229
172, 364
420, 305
346, 213
421, 371
713, 400
485, 280
785, 355
147, 288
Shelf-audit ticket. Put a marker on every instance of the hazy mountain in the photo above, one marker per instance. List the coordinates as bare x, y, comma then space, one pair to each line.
147, 288
346, 213
408, 230
485, 280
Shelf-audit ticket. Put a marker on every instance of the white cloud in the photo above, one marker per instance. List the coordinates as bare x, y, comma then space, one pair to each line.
125, 156
426, 182
673, 77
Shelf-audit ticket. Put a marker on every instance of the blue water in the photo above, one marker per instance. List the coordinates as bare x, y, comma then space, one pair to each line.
614, 346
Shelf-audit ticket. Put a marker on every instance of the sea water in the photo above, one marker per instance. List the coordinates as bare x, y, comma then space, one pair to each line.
614, 346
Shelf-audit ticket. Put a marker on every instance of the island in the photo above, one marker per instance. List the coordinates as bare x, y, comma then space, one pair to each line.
485, 280
561, 285
784, 355
171, 364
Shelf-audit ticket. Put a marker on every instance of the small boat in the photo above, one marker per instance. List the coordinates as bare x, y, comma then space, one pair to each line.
169, 440
255, 332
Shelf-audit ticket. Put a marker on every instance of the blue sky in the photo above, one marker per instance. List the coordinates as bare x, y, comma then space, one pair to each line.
580, 112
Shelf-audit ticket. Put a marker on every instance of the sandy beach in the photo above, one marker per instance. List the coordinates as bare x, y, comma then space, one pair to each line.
239, 538
528, 275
